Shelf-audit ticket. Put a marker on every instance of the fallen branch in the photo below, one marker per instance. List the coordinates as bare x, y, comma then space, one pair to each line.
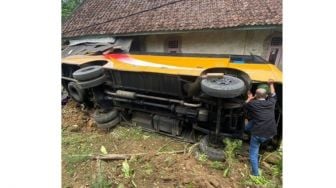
115, 156
192, 148
265, 164
159, 150
127, 156
272, 158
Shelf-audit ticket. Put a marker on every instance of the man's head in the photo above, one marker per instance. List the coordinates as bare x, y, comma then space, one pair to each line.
261, 93
265, 86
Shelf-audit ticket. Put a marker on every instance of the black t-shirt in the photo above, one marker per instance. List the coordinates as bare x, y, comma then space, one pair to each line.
261, 113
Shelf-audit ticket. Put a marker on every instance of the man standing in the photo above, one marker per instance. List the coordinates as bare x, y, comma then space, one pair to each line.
262, 121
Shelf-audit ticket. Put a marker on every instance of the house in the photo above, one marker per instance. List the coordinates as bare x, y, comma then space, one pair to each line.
240, 27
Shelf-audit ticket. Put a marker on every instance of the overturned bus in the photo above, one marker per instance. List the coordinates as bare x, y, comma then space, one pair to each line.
186, 96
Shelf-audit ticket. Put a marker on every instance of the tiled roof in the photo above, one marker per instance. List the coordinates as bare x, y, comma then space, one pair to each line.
96, 17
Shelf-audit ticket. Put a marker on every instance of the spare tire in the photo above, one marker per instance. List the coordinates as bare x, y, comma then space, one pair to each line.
88, 73
109, 124
212, 153
104, 117
76, 92
92, 83
227, 87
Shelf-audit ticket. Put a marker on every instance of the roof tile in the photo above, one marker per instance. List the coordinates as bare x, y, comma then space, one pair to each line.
95, 17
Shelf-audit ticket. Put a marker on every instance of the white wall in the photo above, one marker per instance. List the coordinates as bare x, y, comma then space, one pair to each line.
215, 42
155, 43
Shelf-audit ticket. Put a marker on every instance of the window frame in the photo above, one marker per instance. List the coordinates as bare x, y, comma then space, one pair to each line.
173, 50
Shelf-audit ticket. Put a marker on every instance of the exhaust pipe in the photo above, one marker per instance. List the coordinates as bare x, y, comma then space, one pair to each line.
133, 95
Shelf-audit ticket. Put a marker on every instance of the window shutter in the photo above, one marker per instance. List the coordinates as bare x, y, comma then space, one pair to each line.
173, 46
276, 41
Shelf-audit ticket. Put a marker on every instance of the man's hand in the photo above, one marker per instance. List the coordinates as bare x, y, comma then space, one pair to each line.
271, 85
249, 96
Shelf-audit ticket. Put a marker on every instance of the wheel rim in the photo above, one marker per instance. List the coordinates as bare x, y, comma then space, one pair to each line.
221, 81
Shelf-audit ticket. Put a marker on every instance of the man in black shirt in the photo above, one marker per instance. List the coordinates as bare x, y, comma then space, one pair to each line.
262, 121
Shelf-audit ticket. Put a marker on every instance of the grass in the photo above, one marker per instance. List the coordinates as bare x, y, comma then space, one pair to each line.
77, 138
277, 169
148, 168
134, 133
269, 177
128, 172
100, 180
231, 148
169, 161
189, 185
77, 152
230, 151
217, 165
258, 180
126, 169
76, 148
76, 159
203, 157
121, 186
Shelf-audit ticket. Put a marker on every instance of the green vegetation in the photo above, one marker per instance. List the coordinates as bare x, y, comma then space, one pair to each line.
258, 180
217, 165
231, 148
203, 157
76, 159
68, 6
127, 171
271, 176
277, 169
148, 168
230, 151
101, 182
134, 133
189, 185
77, 148
169, 161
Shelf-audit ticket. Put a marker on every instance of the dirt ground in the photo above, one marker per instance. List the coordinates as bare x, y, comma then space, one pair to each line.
155, 168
